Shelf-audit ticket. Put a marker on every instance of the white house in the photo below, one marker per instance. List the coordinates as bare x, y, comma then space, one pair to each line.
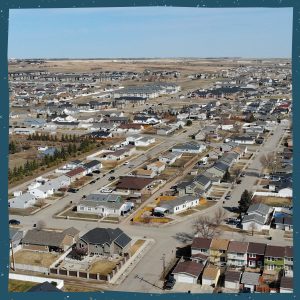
157, 167
23, 201
177, 205
190, 147
169, 157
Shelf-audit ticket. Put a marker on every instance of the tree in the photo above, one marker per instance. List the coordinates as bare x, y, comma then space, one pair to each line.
245, 201
189, 123
227, 176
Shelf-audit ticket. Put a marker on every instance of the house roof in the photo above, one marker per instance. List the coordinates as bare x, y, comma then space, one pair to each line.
44, 237
254, 218
288, 251
100, 236
210, 272
189, 267
220, 166
75, 171
259, 208
91, 164
238, 247
201, 243
287, 283
44, 287
256, 248
275, 251
219, 244
133, 183
232, 276
250, 278
178, 201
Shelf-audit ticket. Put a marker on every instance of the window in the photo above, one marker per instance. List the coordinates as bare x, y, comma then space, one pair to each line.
252, 263
271, 267
251, 255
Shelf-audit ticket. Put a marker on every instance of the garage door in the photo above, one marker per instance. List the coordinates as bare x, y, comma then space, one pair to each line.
185, 278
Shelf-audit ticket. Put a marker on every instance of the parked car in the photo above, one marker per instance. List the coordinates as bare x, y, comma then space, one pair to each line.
14, 222
238, 181
93, 181
90, 174
96, 172
227, 197
126, 163
158, 214
71, 190
111, 171
111, 178
170, 283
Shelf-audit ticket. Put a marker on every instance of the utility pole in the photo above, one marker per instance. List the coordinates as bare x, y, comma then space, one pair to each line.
12, 255
164, 264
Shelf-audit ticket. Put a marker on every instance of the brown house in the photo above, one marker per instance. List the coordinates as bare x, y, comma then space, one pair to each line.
133, 184
47, 241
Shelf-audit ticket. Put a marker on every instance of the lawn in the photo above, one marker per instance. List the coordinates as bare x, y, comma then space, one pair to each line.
103, 267
206, 205
28, 257
20, 286
135, 247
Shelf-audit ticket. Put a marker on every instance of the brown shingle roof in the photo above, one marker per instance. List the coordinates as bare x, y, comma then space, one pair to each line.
133, 183
201, 243
210, 272
256, 248
74, 172
219, 244
237, 247
189, 267
274, 251
288, 251
232, 276
286, 283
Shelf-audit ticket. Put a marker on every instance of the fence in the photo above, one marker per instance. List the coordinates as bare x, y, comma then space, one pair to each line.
31, 268
59, 282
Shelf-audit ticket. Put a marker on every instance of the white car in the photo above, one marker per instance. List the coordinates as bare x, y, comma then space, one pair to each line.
126, 163
105, 190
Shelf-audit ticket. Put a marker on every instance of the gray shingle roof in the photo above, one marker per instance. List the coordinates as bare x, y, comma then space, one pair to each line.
254, 218
250, 278
259, 208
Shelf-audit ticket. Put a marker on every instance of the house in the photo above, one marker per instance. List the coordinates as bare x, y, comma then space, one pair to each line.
105, 241
45, 286
133, 184
218, 169
190, 147
170, 157
157, 167
103, 205
232, 280
229, 158
283, 222
92, 165
218, 251
255, 255
177, 205
257, 216
200, 245
288, 261
211, 275
23, 201
274, 258
76, 173
165, 130
245, 140
250, 281
130, 128
199, 184
188, 272
121, 153
143, 173
15, 237
286, 285
48, 241
237, 254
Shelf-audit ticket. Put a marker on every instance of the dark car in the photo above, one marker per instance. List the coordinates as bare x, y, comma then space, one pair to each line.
158, 214
90, 174
111, 171
14, 222
72, 190
238, 181
93, 181
170, 283
96, 172
111, 178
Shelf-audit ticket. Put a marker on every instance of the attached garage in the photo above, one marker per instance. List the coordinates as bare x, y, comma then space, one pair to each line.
232, 280
188, 272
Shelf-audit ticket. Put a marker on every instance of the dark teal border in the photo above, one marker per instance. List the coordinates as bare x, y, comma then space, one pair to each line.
5, 5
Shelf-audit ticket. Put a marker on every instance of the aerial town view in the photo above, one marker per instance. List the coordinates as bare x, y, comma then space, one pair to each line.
154, 174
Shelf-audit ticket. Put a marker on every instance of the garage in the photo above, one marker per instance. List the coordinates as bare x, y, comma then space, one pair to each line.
188, 272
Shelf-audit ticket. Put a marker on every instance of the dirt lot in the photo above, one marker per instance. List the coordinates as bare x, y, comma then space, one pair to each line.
103, 267
272, 201
28, 257
187, 213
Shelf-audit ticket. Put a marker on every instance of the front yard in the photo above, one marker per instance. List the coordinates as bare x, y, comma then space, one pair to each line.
136, 246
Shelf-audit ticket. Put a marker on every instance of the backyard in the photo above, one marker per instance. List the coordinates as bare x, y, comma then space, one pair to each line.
42, 259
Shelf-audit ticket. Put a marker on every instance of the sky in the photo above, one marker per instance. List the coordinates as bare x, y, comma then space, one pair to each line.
150, 32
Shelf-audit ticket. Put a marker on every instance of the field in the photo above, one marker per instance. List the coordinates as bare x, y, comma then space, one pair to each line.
272, 201
28, 257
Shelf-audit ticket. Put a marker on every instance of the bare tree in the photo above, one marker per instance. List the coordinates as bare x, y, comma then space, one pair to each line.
219, 216
40, 225
267, 160
40, 203
253, 227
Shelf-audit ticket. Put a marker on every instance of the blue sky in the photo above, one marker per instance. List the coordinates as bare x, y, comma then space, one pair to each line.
150, 32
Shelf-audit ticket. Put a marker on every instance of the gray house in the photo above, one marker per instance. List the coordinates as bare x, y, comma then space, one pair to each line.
15, 237
218, 169
105, 241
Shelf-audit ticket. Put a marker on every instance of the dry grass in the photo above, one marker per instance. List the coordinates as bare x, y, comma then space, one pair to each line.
206, 205
20, 286
103, 267
272, 201
136, 246
28, 257
186, 213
